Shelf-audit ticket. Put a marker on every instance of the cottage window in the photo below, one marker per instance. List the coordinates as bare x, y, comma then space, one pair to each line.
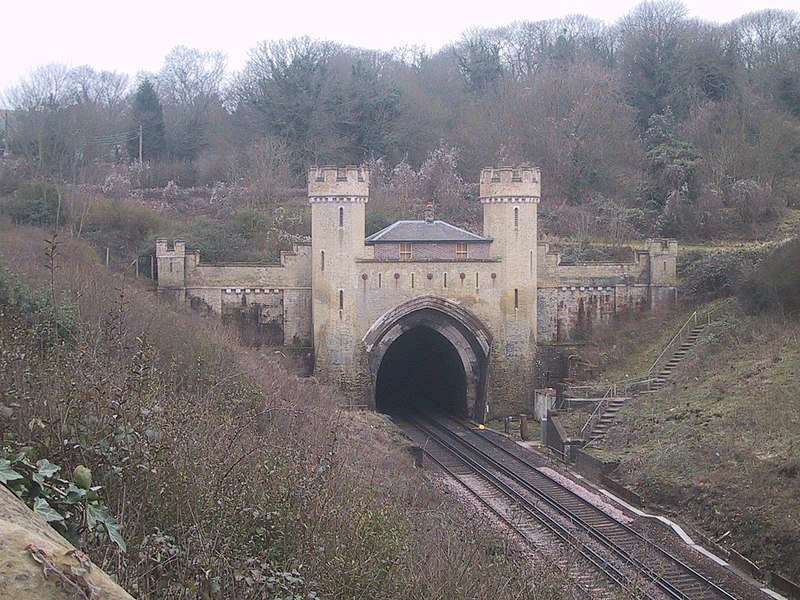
405, 251
462, 251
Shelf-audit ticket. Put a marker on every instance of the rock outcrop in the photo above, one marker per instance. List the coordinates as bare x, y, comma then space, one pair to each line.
37, 563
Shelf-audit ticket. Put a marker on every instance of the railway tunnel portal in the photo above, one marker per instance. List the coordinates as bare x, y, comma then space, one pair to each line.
429, 353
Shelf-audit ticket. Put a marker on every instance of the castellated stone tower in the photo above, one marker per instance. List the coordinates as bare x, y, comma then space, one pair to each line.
510, 198
338, 198
663, 256
171, 268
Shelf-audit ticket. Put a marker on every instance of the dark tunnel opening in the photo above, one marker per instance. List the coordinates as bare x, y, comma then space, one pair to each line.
421, 370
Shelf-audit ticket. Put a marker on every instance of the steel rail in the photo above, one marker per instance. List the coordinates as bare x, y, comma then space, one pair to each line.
563, 533
553, 526
670, 583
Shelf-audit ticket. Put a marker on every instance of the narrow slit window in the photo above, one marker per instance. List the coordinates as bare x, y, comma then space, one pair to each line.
516, 298
341, 216
405, 251
476, 281
341, 299
445, 280
412, 280
322, 260
380, 279
665, 265
516, 217
462, 251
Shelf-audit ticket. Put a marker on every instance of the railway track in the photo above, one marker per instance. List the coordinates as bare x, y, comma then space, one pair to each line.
536, 506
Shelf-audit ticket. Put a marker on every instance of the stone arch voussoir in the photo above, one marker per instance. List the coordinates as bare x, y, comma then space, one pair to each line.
465, 331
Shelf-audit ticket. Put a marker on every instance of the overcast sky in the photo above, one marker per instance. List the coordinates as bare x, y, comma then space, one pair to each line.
136, 35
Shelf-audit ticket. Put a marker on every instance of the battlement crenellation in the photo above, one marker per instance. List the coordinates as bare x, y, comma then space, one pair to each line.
338, 182
510, 183
176, 248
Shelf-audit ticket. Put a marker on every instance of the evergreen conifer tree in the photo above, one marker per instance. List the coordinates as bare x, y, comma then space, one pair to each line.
146, 112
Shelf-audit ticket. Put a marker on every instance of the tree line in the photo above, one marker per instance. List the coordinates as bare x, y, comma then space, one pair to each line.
658, 123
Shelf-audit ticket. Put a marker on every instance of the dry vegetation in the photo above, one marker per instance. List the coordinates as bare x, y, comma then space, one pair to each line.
721, 445
230, 476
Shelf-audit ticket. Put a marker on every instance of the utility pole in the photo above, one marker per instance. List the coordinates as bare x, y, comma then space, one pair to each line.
140, 147
6, 134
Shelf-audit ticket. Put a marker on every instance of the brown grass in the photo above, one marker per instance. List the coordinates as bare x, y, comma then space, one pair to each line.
226, 471
721, 444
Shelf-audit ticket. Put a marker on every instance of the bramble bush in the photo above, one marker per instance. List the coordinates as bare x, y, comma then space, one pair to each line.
709, 275
229, 477
774, 285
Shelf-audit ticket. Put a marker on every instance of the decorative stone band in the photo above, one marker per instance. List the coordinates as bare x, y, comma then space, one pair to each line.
345, 199
512, 199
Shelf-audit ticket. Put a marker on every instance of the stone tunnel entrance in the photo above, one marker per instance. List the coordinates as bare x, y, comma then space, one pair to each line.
421, 370
429, 353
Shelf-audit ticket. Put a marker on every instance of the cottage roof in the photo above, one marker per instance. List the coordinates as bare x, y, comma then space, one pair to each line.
423, 231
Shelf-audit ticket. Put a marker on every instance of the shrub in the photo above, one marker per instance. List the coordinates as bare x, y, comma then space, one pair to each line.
230, 478
709, 275
775, 284
36, 203
117, 184
12, 173
121, 226
754, 202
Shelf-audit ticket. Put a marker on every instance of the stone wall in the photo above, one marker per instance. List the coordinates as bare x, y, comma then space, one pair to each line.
281, 293
332, 293
573, 298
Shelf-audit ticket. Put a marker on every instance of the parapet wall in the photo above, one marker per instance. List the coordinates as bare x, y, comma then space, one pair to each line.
338, 182
507, 183
278, 296
573, 298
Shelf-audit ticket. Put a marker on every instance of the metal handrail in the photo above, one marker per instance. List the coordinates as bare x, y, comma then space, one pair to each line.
672, 341
610, 393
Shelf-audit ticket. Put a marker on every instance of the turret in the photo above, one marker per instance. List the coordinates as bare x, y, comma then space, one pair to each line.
663, 255
338, 198
171, 264
663, 258
510, 197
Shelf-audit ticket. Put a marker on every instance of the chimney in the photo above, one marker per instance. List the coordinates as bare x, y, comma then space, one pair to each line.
429, 213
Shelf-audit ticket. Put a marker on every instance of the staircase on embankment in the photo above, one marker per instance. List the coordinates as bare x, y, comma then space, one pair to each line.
657, 377
686, 345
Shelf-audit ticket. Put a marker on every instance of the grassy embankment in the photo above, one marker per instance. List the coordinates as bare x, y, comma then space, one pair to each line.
721, 444
230, 477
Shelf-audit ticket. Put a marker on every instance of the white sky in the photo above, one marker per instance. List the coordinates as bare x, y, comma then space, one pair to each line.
135, 35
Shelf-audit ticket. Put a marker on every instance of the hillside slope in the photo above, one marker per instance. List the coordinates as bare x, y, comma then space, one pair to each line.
228, 476
721, 444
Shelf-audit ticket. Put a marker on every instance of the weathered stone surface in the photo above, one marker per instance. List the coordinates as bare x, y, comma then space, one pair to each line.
335, 291
24, 534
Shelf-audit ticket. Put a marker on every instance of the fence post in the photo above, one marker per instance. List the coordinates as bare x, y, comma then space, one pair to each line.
523, 428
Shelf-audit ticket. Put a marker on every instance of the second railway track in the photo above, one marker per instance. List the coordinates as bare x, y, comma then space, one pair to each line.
543, 510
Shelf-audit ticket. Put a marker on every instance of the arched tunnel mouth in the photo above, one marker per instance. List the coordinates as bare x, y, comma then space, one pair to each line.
421, 371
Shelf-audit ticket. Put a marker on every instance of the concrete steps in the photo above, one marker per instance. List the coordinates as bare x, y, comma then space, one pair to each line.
607, 418
677, 357
609, 415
